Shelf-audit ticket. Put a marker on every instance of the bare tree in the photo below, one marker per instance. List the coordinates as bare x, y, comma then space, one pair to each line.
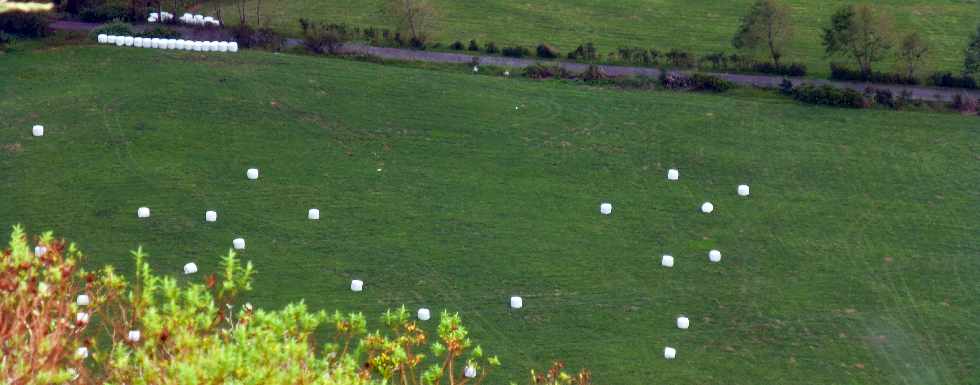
911, 52
414, 17
766, 25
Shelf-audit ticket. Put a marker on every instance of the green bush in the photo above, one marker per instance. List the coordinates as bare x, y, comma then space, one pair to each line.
546, 51
323, 38
456, 45
491, 48
473, 46
25, 24
160, 32
516, 51
586, 52
702, 82
104, 13
540, 71
116, 27
594, 73
829, 96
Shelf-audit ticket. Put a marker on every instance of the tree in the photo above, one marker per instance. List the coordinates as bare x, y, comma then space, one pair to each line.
971, 65
414, 17
911, 51
860, 32
767, 25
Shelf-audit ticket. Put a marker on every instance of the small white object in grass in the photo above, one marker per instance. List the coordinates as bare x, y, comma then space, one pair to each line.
81, 352
233, 46
110, 39
252, 173
683, 322
210, 216
314, 214
714, 256
143, 212
707, 208
238, 243
476, 69
223, 46
40, 251
743, 190
356, 285
605, 208
506, 73
667, 261
470, 372
37, 130
133, 336
379, 170
81, 317
190, 268
516, 302
670, 353
83, 300
103, 38
673, 174
424, 314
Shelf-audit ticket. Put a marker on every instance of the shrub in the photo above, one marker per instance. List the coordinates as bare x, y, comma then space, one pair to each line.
25, 24
323, 38
585, 52
793, 69
635, 82
516, 51
829, 96
594, 73
674, 80
947, 79
545, 71
841, 72
473, 46
964, 103
491, 48
415, 43
268, 39
456, 46
881, 96
5, 40
634, 55
546, 51
161, 32
702, 82
104, 13
786, 87
680, 59
116, 27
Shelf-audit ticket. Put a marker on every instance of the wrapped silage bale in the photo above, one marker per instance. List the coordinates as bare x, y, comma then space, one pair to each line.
154, 14
37, 130
667, 261
198, 19
356, 285
314, 214
424, 314
179, 44
208, 20
714, 256
133, 336
110, 39
137, 42
223, 46
683, 322
673, 174
129, 41
198, 46
210, 216
151, 20
81, 353
469, 372
190, 268
171, 43
120, 41
670, 353
252, 173
743, 190
516, 302
207, 46
103, 38
233, 46
83, 300
707, 208
238, 243
605, 208
143, 212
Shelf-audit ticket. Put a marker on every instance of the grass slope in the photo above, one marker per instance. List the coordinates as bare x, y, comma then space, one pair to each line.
702, 26
854, 260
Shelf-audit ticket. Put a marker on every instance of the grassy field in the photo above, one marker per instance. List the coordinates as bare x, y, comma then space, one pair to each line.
853, 262
702, 26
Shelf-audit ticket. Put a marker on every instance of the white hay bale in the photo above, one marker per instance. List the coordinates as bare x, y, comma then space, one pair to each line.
233, 46
187, 16
190, 268
314, 214
129, 41
171, 43
199, 19
143, 212
707, 208
110, 39
83, 300
208, 20
683, 322
155, 43
180, 44
506, 73
714, 256
356, 285
154, 14
133, 336
40, 251
151, 20
120, 41
252, 173
198, 46
667, 261
476, 69
81, 353
37, 130
424, 314
103, 38
238, 243
223, 46
137, 42
210, 216
670, 353
673, 174
605, 208
81, 317
516, 302
743, 190
470, 372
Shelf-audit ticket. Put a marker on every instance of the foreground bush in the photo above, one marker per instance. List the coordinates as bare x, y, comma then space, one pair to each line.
841, 72
947, 79
324, 38
540, 71
25, 24
104, 13
702, 82
517, 51
828, 96
546, 51
116, 27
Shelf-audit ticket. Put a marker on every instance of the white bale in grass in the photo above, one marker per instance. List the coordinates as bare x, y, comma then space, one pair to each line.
205, 46
190, 268
151, 20
171, 43
198, 46
238, 243
314, 214
683, 322
667, 261
670, 353
154, 14
137, 42
605, 208
714, 256
187, 16
707, 207
110, 39
39, 251
470, 372
252, 173
743, 190
208, 20
81, 353
356, 285
143, 212
516, 302
210, 216
424, 314
133, 336
233, 46
83, 300
179, 44
213, 46
506, 73
223, 46
129, 41
199, 19
103, 38
37, 130
81, 317
153, 43
673, 174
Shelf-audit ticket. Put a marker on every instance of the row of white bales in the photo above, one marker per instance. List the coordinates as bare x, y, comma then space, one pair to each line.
186, 19
180, 44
